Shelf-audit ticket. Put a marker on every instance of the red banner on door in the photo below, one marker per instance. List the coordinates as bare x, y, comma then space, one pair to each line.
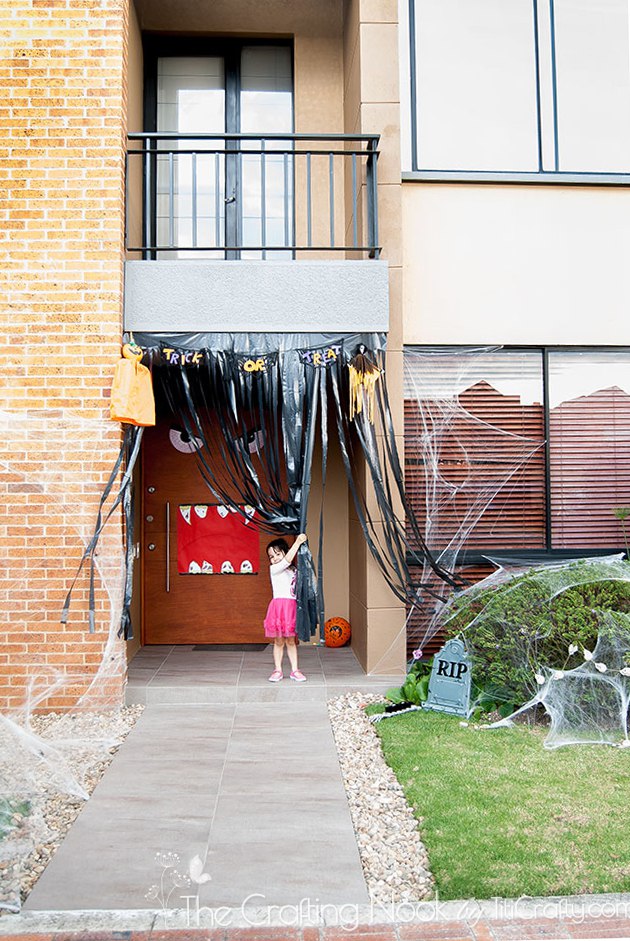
216, 540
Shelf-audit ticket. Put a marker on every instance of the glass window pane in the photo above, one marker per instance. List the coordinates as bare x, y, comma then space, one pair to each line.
191, 95
589, 435
190, 99
593, 79
474, 455
266, 89
476, 81
267, 107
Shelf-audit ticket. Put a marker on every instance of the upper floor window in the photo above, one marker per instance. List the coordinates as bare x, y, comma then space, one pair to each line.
518, 86
518, 450
220, 190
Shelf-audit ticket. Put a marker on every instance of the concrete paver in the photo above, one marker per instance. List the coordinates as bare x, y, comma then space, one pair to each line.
183, 675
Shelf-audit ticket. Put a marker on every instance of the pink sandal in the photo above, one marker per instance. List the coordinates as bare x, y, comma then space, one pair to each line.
298, 676
276, 676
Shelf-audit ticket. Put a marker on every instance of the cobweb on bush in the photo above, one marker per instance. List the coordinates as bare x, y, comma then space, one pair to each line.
527, 640
588, 704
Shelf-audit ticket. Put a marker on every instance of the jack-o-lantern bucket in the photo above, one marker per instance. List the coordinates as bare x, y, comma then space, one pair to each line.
336, 632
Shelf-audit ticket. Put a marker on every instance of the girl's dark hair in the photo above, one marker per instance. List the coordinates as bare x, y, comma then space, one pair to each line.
281, 544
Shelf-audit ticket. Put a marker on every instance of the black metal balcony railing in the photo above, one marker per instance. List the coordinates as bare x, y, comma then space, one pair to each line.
251, 196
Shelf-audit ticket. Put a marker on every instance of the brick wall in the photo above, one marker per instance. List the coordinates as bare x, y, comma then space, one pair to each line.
62, 124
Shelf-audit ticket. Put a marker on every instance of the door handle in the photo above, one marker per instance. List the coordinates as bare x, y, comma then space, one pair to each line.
168, 546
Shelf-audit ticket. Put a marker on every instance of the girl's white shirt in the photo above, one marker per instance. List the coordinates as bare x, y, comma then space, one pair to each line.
283, 576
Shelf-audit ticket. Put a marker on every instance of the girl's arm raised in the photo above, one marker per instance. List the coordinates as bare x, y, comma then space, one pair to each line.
291, 554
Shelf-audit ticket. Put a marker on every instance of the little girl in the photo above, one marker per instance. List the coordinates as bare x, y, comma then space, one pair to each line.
282, 610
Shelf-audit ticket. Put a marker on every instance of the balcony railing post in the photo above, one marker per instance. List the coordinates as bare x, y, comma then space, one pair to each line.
372, 191
148, 210
331, 194
309, 202
263, 198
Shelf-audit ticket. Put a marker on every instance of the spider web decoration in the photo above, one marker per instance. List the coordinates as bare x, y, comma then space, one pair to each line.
516, 630
509, 626
461, 466
589, 703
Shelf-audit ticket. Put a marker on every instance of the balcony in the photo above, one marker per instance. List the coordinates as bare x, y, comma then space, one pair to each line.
266, 225
246, 196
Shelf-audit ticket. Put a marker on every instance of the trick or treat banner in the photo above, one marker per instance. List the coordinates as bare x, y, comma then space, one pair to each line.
216, 540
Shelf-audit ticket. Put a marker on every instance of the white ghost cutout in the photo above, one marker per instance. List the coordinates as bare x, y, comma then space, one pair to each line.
246, 567
201, 510
194, 568
185, 511
227, 568
206, 568
222, 511
249, 512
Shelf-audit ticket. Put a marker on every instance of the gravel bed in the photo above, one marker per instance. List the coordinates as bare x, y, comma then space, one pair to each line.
394, 860
55, 791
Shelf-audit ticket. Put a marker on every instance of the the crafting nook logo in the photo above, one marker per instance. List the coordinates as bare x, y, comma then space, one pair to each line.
171, 878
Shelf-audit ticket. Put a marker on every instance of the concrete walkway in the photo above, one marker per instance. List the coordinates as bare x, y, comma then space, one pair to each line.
253, 788
183, 674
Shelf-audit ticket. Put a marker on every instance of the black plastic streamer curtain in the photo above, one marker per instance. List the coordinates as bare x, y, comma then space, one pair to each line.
396, 544
127, 457
276, 407
257, 417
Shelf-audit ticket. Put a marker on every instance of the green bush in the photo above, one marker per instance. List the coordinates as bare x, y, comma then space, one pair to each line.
415, 688
513, 628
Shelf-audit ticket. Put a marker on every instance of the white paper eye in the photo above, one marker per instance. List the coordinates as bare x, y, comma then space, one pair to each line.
255, 441
201, 511
246, 567
183, 442
227, 568
222, 511
194, 568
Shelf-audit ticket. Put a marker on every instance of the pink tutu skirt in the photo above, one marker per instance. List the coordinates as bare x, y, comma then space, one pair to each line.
280, 617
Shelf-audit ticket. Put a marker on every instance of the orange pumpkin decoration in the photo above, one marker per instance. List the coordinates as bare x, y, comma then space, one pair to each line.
336, 632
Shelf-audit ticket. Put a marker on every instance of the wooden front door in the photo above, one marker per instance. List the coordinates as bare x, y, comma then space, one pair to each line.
184, 608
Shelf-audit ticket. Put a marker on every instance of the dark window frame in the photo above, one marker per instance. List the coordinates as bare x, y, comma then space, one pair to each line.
556, 176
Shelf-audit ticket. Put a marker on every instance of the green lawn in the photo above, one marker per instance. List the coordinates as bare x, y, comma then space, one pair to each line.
502, 816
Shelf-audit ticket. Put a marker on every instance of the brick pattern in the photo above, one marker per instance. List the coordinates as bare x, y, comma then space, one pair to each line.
476, 930
62, 126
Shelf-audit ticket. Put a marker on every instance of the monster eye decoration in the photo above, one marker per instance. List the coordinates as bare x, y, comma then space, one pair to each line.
183, 442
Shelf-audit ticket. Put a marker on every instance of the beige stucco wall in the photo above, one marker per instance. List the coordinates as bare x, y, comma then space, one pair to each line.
317, 32
134, 123
516, 264
372, 106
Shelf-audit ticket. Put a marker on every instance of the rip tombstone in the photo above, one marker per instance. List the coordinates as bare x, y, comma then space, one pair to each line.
449, 684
